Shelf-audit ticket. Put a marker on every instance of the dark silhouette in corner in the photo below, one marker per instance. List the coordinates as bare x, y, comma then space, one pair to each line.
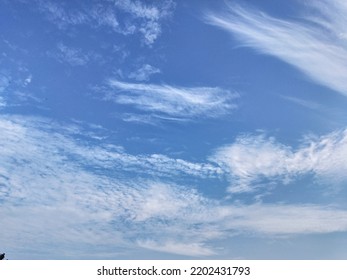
2, 256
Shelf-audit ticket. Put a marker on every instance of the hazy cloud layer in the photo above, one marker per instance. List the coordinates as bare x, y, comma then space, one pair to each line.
48, 198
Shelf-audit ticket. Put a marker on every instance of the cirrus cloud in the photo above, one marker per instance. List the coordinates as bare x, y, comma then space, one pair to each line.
181, 102
316, 45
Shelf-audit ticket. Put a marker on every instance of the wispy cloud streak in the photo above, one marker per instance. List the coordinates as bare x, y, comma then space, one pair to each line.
316, 45
102, 156
182, 102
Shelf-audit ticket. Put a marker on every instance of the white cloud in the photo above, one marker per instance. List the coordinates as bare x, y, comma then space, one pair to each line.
105, 16
140, 10
73, 56
181, 102
2, 102
40, 139
167, 202
46, 173
304, 103
28, 80
288, 219
251, 160
196, 226
57, 198
152, 119
138, 18
58, 14
144, 72
4, 82
26, 98
11, 87
316, 45
150, 16
140, 119
41, 178
175, 247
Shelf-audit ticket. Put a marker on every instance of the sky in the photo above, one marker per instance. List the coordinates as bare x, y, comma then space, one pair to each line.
170, 129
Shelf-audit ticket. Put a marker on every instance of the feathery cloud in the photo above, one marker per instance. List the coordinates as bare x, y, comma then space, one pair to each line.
181, 102
251, 160
316, 45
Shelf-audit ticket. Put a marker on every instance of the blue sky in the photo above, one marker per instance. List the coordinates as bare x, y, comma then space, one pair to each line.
173, 129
